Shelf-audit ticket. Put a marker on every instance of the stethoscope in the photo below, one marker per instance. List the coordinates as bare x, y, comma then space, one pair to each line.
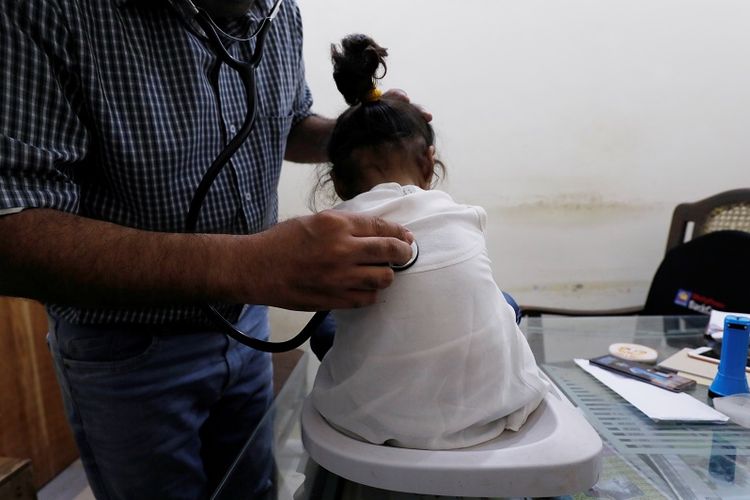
246, 71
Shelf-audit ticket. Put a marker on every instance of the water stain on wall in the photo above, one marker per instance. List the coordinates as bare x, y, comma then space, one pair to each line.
577, 250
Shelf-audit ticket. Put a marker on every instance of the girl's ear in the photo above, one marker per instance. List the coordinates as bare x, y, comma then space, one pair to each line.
343, 191
427, 164
338, 186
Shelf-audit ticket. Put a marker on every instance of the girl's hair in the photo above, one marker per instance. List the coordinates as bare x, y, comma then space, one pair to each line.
371, 122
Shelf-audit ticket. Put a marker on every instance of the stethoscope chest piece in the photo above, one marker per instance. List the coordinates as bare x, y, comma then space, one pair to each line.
411, 261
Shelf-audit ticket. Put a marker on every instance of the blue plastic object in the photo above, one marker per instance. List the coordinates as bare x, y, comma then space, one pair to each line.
731, 378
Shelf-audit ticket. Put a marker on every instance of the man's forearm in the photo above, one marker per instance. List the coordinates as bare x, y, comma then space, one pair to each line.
330, 260
62, 258
308, 140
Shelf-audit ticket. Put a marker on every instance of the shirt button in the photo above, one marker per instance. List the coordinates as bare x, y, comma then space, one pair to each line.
248, 196
232, 129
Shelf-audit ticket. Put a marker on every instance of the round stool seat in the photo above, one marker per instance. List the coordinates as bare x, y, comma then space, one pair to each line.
556, 452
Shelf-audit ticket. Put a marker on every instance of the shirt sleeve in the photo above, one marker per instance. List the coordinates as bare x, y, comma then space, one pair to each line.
41, 135
303, 98
482, 217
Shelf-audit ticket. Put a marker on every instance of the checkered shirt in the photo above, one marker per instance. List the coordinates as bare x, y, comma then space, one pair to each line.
114, 109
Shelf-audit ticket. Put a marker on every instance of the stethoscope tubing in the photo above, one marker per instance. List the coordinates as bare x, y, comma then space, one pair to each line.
246, 71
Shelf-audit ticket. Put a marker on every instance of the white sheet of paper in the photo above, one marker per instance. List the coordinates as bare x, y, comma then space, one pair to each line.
658, 404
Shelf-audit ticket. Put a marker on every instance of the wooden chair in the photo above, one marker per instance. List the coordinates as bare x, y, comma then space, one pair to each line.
727, 211
15, 479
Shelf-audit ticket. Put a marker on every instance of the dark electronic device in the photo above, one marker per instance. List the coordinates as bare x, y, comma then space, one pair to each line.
709, 354
660, 377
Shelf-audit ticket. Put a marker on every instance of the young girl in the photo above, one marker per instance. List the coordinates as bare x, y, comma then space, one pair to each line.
439, 361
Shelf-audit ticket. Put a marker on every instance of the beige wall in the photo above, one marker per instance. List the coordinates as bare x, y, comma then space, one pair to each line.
577, 124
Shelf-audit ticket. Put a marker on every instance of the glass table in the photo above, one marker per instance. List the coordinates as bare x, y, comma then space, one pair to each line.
641, 458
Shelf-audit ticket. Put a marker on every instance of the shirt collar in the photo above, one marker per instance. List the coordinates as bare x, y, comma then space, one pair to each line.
240, 27
123, 3
259, 8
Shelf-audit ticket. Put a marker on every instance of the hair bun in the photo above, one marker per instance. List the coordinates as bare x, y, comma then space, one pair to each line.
355, 66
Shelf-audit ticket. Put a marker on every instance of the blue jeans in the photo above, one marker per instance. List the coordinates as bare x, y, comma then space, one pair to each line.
162, 414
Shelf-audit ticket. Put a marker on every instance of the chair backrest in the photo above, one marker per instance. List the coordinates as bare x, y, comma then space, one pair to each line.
709, 272
729, 210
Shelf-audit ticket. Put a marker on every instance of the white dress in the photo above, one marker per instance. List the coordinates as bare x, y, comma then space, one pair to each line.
438, 362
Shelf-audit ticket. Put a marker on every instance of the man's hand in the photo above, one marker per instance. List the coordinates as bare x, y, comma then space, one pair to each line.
330, 260
401, 95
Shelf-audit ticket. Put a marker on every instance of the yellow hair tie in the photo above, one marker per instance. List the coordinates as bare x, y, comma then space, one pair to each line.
373, 95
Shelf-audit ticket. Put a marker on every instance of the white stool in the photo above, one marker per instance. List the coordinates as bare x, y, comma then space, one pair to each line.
556, 452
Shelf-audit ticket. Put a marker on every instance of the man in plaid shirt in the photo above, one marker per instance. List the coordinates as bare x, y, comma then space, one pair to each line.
111, 111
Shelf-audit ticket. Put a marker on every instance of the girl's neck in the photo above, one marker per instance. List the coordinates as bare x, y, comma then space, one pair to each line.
379, 167
402, 179
403, 171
